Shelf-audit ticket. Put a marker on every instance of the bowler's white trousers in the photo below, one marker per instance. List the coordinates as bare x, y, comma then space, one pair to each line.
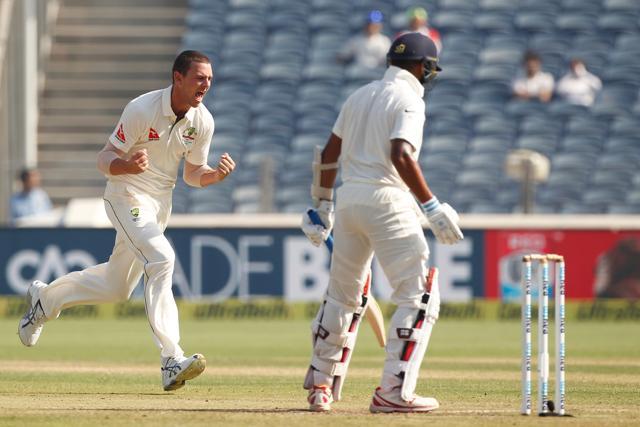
384, 220
140, 248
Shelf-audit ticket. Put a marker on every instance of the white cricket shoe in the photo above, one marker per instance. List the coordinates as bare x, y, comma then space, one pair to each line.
31, 324
176, 371
320, 398
391, 401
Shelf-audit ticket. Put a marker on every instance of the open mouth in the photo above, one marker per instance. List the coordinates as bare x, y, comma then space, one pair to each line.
200, 95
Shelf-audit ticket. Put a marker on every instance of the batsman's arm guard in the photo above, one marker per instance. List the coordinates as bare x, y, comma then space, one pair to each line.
334, 333
317, 191
416, 338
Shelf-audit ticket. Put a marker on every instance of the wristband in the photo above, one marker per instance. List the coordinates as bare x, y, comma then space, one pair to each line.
430, 205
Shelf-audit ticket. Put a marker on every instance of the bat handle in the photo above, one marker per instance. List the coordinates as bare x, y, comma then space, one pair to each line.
315, 218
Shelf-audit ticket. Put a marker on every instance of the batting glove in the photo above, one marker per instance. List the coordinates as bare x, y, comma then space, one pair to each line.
443, 220
317, 234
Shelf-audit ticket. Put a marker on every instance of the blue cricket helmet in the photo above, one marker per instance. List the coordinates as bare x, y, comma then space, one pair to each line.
414, 47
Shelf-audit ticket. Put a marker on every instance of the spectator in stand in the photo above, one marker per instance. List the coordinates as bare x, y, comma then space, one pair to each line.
533, 84
368, 49
579, 86
418, 23
32, 199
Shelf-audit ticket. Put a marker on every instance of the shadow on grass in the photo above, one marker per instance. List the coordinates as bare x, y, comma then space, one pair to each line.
203, 410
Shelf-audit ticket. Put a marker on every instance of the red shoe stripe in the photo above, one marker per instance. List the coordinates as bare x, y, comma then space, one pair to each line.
393, 405
387, 403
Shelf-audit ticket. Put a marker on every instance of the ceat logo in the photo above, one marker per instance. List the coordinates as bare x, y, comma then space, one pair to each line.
120, 135
153, 135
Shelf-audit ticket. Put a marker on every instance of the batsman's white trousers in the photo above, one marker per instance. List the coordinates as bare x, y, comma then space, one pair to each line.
384, 220
140, 248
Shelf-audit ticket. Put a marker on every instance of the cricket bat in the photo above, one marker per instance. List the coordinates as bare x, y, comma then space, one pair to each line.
373, 311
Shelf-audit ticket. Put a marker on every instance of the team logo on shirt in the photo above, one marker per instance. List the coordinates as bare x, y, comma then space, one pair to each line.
135, 213
120, 135
189, 135
153, 135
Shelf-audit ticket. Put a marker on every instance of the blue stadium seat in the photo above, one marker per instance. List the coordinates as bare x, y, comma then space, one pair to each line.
582, 208
510, 55
615, 181
633, 197
615, 100
534, 22
586, 125
622, 144
495, 125
458, 5
489, 207
541, 125
492, 22
539, 5
624, 209
627, 126
619, 22
576, 22
601, 198
560, 108
541, 143
490, 144
581, 144
520, 108
498, 5
445, 143
460, 21
621, 5
484, 164
558, 43
593, 6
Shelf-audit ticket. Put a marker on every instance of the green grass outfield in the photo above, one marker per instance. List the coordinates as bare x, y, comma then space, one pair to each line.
106, 372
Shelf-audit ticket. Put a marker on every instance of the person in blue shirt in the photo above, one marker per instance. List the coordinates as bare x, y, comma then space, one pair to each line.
32, 199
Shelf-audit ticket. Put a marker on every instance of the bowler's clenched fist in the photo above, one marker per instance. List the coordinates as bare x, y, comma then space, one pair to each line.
226, 165
139, 162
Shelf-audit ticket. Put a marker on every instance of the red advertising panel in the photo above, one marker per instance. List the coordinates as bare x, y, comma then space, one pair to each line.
598, 263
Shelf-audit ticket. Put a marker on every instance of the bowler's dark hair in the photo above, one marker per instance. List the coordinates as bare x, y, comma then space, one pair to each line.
186, 58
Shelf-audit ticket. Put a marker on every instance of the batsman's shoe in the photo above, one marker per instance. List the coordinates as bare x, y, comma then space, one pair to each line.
176, 371
320, 399
391, 401
31, 324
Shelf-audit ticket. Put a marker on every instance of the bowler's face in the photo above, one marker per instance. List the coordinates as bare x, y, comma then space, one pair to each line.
196, 83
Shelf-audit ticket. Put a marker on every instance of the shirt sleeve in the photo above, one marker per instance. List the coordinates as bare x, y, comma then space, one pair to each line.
338, 127
130, 128
199, 152
408, 124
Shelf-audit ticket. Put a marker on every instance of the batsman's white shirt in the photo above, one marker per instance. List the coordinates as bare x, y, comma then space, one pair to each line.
139, 207
375, 210
370, 118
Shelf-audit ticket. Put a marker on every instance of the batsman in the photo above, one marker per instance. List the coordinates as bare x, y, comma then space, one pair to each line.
376, 141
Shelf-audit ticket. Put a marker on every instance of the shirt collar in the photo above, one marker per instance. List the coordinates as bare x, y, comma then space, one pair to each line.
395, 73
166, 106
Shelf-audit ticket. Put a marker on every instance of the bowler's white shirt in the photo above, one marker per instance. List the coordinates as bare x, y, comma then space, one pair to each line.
391, 108
149, 122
